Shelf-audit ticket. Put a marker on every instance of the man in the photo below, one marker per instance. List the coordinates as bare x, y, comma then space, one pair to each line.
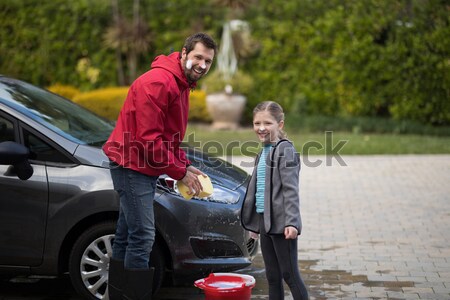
145, 144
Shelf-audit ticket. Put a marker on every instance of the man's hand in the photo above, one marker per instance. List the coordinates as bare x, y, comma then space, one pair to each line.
191, 180
290, 233
196, 171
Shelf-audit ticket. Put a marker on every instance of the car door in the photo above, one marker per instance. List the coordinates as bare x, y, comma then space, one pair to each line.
23, 207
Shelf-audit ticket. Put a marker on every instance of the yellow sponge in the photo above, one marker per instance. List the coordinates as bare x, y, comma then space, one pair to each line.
206, 184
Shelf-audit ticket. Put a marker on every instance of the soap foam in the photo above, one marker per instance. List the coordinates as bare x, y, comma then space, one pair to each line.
189, 64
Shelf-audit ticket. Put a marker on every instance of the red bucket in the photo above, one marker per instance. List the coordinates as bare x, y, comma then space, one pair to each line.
226, 286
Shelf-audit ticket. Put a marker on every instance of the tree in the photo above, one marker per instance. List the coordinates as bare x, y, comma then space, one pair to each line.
355, 57
42, 41
129, 39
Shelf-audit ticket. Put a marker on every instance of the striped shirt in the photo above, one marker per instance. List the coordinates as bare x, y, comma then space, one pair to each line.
261, 178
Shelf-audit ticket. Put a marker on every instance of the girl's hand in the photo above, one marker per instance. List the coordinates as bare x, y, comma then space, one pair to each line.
254, 235
290, 233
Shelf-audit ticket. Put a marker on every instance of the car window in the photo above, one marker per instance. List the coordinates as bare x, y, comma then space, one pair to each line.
6, 130
43, 151
55, 112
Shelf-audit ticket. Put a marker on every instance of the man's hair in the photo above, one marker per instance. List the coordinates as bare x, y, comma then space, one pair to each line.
201, 37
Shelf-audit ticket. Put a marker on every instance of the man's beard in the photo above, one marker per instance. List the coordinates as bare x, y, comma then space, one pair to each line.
192, 76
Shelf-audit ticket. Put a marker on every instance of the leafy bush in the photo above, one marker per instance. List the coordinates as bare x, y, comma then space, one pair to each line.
105, 102
197, 107
337, 58
356, 58
67, 91
214, 82
109, 101
321, 123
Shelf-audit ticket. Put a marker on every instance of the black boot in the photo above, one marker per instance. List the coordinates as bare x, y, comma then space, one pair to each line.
138, 284
115, 279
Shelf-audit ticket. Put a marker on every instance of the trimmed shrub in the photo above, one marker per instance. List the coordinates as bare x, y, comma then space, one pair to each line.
105, 102
320, 123
241, 83
67, 91
109, 101
197, 107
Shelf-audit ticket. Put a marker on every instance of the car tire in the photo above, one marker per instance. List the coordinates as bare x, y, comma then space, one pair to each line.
89, 262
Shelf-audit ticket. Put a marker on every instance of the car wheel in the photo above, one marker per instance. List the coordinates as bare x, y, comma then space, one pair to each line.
89, 262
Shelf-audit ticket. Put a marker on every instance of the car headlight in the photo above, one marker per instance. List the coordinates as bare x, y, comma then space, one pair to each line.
220, 193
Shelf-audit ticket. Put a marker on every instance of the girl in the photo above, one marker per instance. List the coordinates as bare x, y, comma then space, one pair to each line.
271, 205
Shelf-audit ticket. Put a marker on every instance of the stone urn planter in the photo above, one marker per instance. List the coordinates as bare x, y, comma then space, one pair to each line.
225, 109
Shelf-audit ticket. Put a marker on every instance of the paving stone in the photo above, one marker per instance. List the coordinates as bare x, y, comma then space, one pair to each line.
434, 296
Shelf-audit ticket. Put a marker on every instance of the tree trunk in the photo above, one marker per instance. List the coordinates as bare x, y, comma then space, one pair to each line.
119, 63
132, 58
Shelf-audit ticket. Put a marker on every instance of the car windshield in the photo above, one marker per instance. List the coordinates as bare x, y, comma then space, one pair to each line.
55, 112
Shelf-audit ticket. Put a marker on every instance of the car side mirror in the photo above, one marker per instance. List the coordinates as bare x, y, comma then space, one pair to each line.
15, 154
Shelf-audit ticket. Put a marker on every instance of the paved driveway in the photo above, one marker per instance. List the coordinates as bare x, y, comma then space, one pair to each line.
377, 228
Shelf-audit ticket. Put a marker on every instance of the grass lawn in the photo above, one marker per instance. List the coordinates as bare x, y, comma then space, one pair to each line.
244, 142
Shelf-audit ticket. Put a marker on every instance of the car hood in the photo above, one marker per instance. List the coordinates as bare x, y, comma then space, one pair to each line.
220, 171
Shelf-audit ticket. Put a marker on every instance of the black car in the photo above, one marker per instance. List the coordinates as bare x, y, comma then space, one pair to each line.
58, 208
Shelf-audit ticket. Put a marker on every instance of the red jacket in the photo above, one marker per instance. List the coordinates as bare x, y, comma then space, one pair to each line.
153, 120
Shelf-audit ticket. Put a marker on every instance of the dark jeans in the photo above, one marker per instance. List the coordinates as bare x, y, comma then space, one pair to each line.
280, 260
135, 232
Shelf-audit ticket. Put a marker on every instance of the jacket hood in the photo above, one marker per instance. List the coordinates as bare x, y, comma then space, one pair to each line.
172, 64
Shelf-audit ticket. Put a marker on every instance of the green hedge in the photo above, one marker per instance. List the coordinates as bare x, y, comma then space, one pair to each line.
321, 123
198, 111
67, 91
363, 58
105, 102
109, 101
